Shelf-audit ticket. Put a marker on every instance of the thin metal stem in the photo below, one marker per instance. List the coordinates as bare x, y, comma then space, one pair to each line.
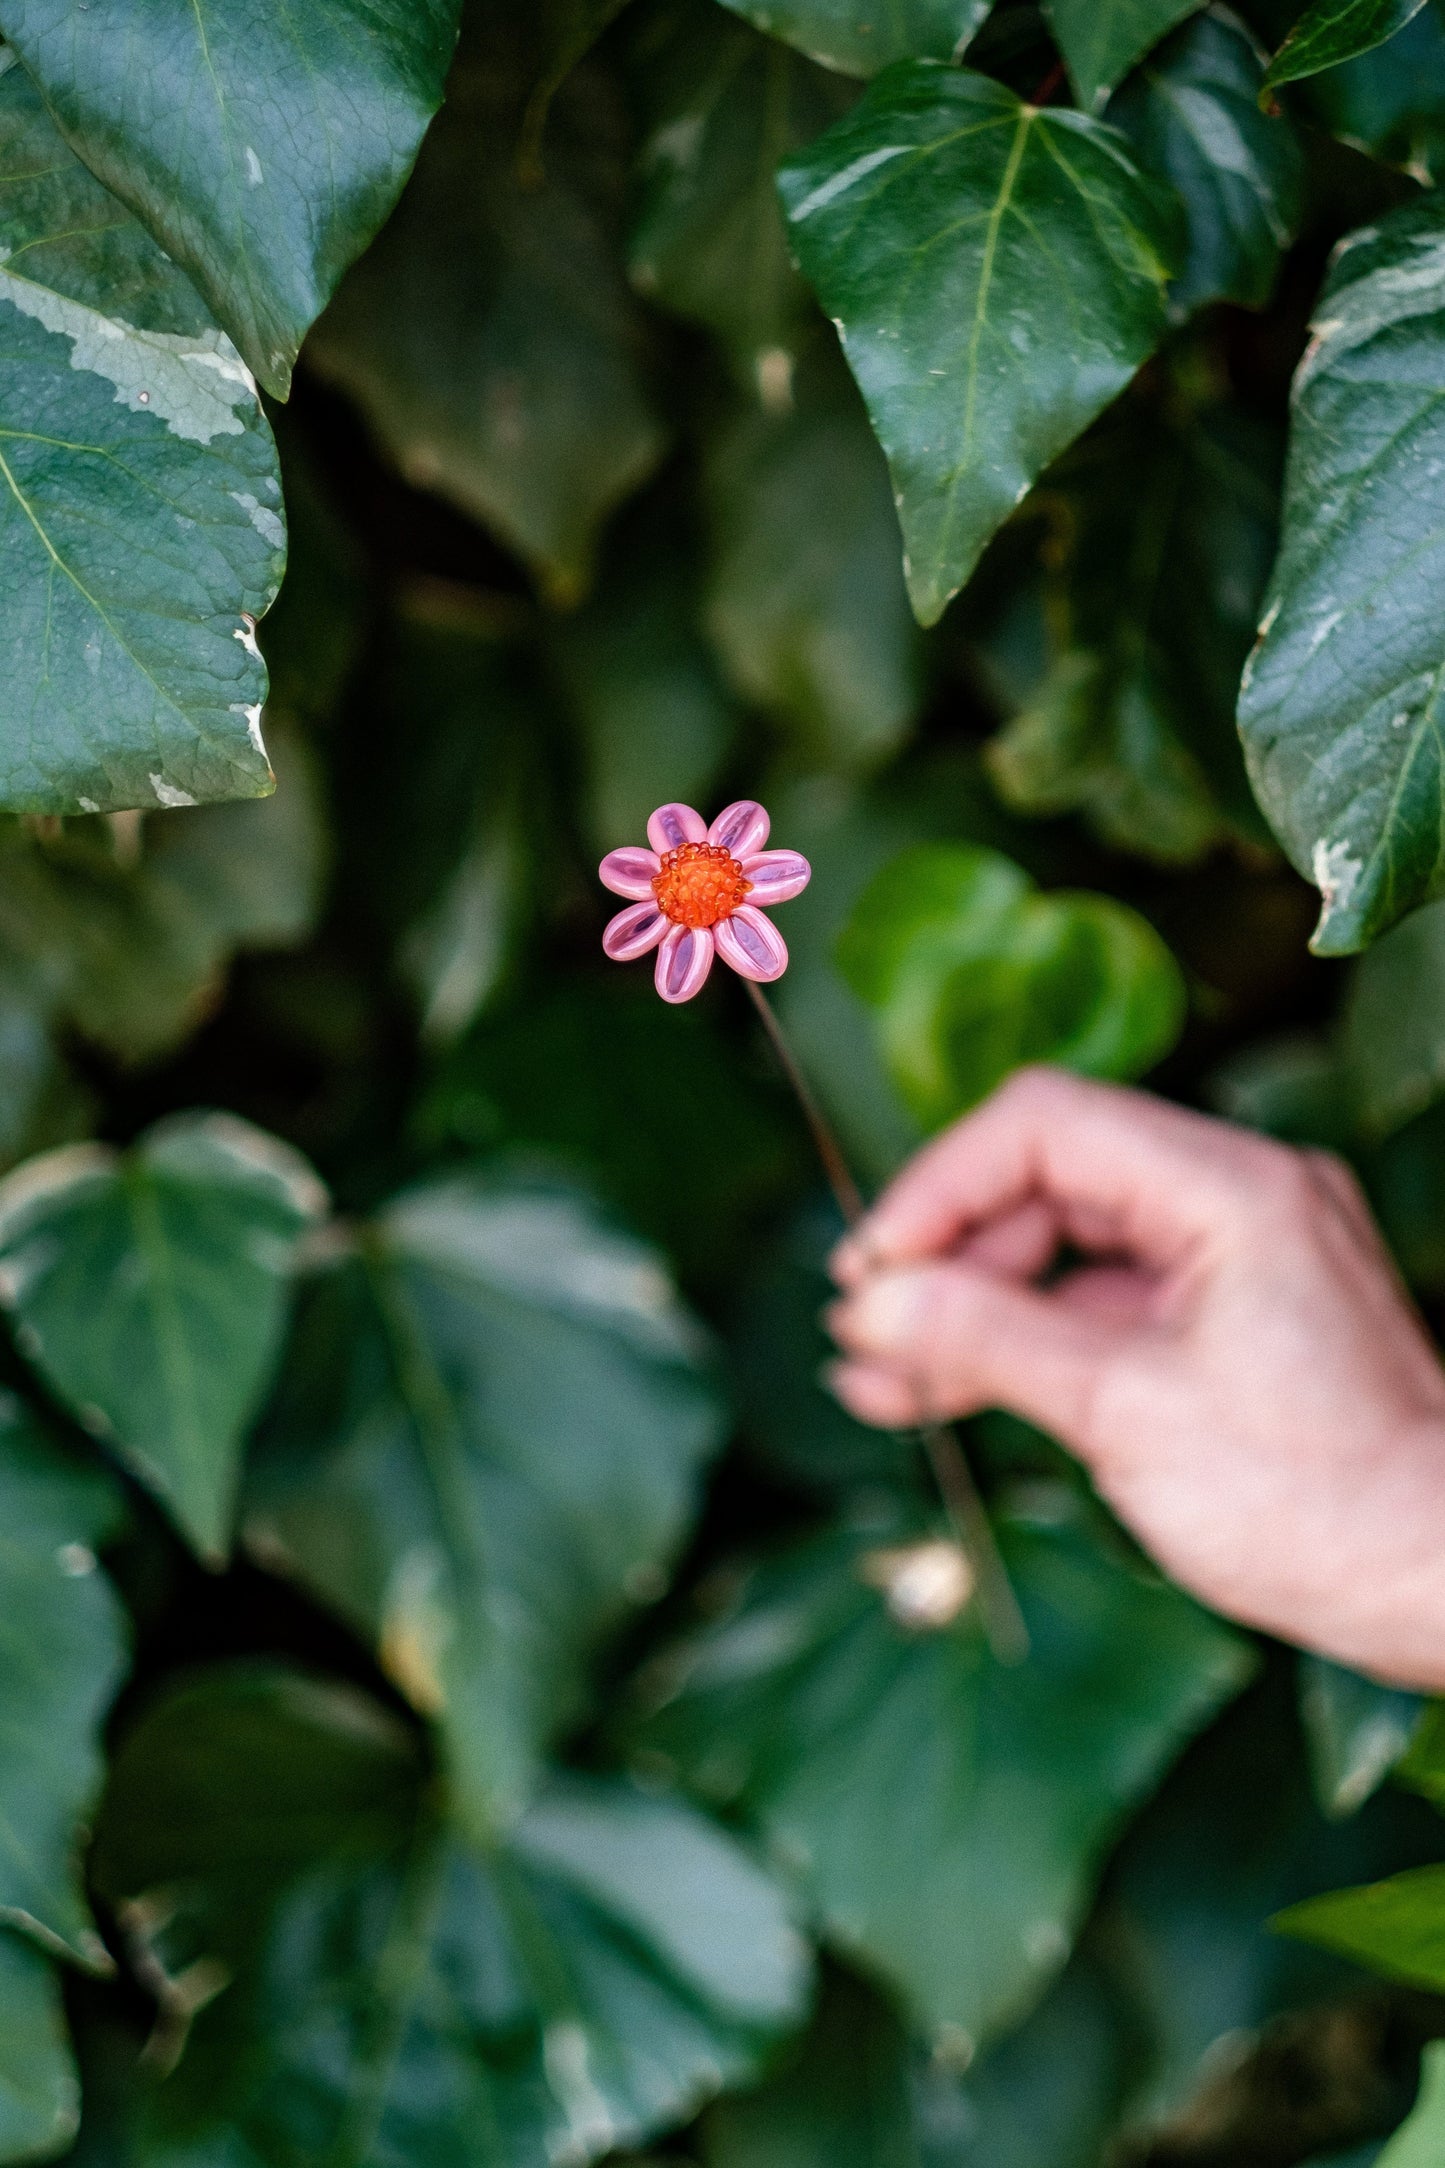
1003, 1622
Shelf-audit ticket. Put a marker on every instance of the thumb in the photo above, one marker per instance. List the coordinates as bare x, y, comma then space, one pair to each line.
929, 1342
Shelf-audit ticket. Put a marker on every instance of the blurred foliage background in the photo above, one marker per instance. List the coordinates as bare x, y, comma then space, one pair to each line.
463, 1688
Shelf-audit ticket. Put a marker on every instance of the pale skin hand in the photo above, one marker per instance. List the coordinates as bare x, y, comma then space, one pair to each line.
1235, 1361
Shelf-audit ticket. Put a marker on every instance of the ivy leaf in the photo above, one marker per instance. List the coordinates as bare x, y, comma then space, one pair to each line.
1102, 39
860, 39
62, 1660
806, 603
945, 1814
581, 1987
485, 1448
261, 147
1048, 255
1336, 30
140, 520
1356, 1729
149, 1289
513, 390
1394, 1023
971, 972
1192, 114
1339, 709
1390, 102
724, 107
39, 2086
1395, 1927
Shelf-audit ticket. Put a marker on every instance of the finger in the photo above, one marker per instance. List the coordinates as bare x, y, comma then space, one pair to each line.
1120, 1293
1161, 1177
874, 1395
1015, 1246
962, 1340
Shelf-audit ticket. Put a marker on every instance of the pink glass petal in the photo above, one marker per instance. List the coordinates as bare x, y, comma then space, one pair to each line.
633, 932
777, 876
683, 962
672, 825
741, 828
752, 945
629, 872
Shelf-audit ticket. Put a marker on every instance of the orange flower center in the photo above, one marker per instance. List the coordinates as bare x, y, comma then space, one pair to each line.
699, 884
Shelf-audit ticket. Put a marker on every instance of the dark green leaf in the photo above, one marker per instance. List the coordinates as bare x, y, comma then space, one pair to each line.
140, 520
61, 1660
945, 1813
1339, 707
846, 2095
806, 602
971, 973
262, 147
1334, 30
1395, 1927
149, 1289
590, 1983
1192, 114
724, 107
1394, 1022
1391, 102
1046, 254
1357, 1731
486, 1447
1102, 39
39, 2090
489, 336
850, 35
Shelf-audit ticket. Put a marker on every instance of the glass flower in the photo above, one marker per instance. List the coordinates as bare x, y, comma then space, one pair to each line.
701, 891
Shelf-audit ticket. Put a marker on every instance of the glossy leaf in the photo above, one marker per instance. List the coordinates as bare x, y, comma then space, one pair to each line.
149, 1289
1394, 1022
806, 603
1332, 31
62, 1657
945, 1814
1192, 113
1047, 257
39, 2088
261, 147
1395, 1927
1420, 2143
140, 516
1357, 1731
724, 107
1390, 102
849, 34
1101, 40
517, 396
485, 1448
1339, 706
971, 973
582, 1987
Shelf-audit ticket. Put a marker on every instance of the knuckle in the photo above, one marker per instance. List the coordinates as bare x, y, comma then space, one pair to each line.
1281, 1181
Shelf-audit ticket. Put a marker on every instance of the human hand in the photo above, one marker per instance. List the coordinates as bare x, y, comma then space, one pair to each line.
1234, 1359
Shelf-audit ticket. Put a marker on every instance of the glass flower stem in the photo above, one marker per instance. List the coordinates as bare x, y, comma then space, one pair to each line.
1003, 1622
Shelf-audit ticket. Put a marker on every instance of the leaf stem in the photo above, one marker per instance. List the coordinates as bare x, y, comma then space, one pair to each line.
1003, 1622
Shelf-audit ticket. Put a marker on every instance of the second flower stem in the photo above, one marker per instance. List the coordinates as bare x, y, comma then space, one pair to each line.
1003, 1622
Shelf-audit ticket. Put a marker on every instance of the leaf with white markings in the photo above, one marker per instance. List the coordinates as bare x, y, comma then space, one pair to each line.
140, 505
262, 146
997, 271
149, 1289
1341, 707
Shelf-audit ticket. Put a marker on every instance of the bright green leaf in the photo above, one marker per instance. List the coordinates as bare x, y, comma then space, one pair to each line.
860, 39
806, 603
1395, 1927
1192, 114
1340, 706
946, 1814
1356, 1729
149, 1289
39, 2089
1394, 1022
62, 1656
140, 513
997, 272
1420, 2143
1335, 30
1102, 39
489, 336
486, 1447
723, 108
262, 146
971, 973
588, 1984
